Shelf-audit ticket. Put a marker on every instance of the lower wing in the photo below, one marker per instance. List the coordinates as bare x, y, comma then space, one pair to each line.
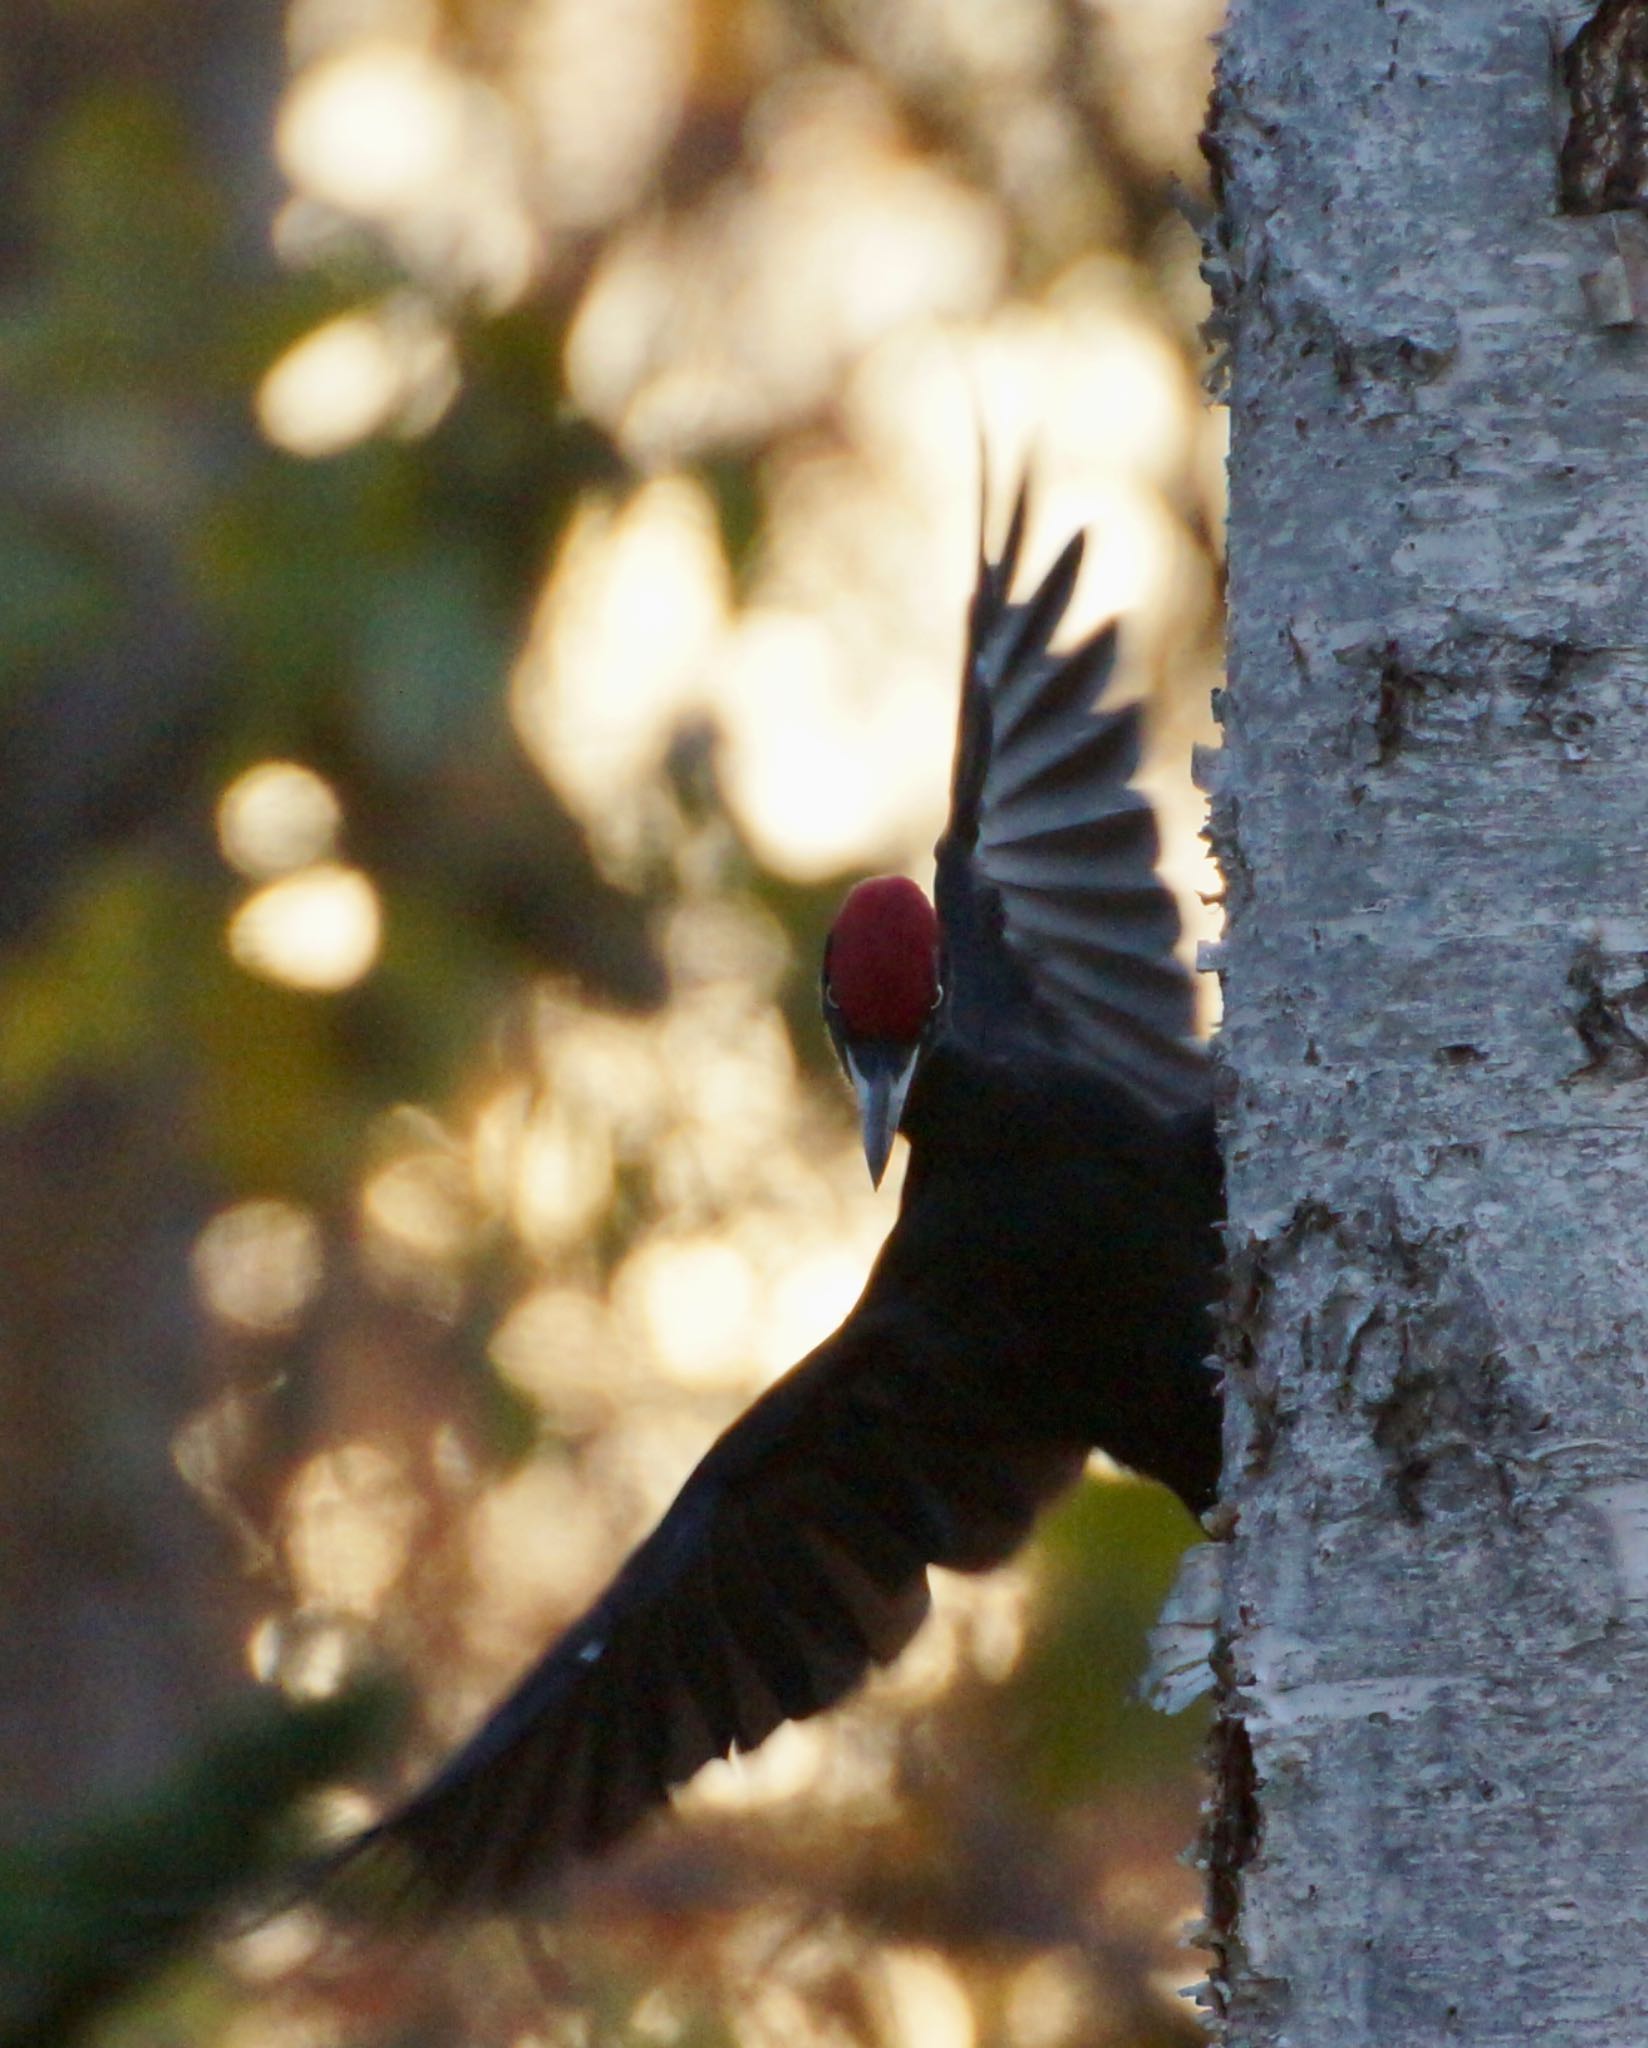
794, 1559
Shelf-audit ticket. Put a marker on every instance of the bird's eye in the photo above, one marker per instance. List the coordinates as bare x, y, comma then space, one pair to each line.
830, 1002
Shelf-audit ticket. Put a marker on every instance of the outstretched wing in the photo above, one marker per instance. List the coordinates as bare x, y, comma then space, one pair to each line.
794, 1559
1054, 919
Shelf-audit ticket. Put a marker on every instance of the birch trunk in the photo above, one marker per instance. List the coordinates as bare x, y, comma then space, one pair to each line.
1431, 1805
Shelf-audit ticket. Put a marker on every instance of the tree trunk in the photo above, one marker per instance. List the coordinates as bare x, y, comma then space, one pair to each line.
1431, 1801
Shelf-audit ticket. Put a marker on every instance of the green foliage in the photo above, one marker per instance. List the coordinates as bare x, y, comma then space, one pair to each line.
433, 646
91, 1912
56, 598
1109, 1553
131, 232
93, 994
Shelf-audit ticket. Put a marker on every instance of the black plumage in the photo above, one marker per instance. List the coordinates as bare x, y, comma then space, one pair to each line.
1045, 1290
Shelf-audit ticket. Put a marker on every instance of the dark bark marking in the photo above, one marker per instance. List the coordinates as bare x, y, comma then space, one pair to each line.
1219, 266
1223, 834
1232, 1835
1235, 1828
1447, 1404
1246, 1310
1400, 1327
1452, 691
1400, 691
1552, 703
1609, 1012
1603, 167
1246, 1291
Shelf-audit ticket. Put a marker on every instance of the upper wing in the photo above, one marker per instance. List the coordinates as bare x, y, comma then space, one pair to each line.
794, 1558
1051, 909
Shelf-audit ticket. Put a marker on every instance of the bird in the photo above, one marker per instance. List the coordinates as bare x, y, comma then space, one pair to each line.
1046, 1289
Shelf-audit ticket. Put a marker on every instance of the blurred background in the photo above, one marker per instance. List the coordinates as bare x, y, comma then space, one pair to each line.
488, 493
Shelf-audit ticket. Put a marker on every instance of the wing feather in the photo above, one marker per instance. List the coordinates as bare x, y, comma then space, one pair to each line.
1140, 924
1046, 750
1128, 828
794, 1559
1053, 685
1056, 926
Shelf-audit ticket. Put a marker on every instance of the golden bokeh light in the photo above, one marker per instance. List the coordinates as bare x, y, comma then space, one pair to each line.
722, 327
731, 1107
928, 2002
692, 1303
317, 930
558, 1346
259, 1265
538, 1545
331, 389
277, 817
350, 1517
997, 1609
420, 1217
843, 1765
1050, 2003
619, 653
835, 713
712, 940
770, 2010
605, 83
821, 769
315, 1657
643, 1461
796, 1760
564, 1178
1162, 49
376, 128
813, 1284
277, 1946
423, 1205
356, 375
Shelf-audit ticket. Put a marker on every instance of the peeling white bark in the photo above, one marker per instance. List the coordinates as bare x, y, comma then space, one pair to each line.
1431, 1817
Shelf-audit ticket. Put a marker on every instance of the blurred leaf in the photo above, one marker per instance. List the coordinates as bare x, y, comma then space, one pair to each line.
734, 484
510, 459
91, 1912
283, 1105
132, 230
434, 653
289, 563
95, 991
1108, 1554
56, 597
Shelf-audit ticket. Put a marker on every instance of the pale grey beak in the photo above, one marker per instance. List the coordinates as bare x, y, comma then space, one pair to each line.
881, 1073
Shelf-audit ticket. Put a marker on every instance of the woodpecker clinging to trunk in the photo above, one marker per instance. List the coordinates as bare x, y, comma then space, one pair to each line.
1045, 1289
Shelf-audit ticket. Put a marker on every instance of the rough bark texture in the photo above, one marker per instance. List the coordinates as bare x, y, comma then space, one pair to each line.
1431, 1818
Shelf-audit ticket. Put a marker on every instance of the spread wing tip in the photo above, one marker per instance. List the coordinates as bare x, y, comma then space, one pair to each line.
1043, 771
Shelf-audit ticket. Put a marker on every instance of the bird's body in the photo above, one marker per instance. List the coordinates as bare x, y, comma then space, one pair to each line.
1039, 1200
1045, 1290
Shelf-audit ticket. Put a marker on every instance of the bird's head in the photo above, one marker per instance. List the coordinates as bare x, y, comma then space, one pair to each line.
881, 992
